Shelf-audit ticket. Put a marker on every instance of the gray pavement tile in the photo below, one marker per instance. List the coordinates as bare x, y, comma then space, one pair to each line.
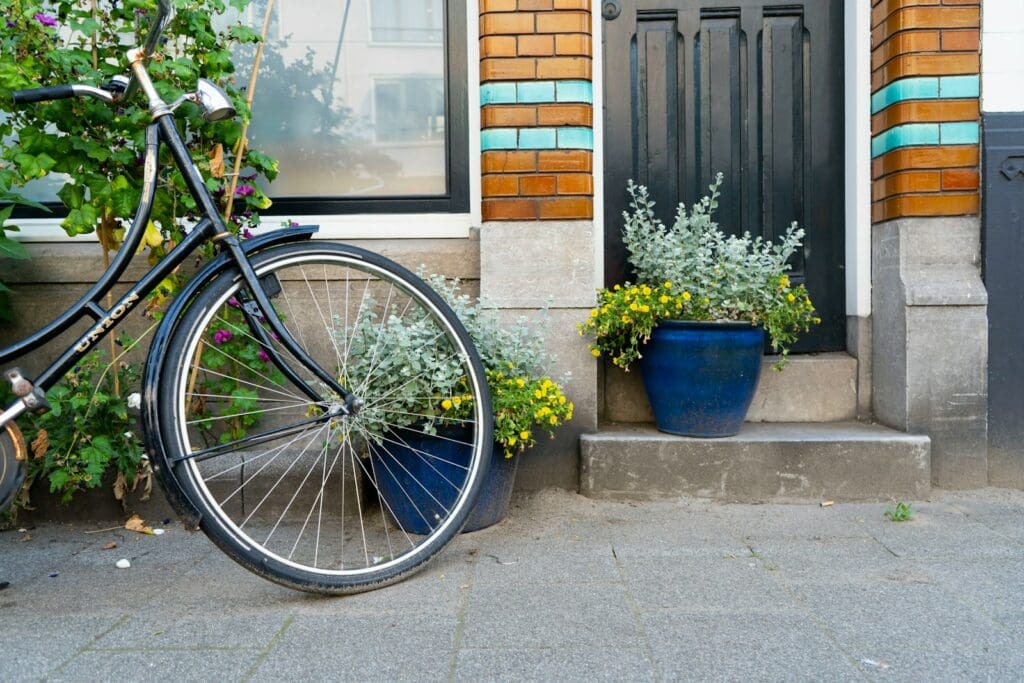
33, 644
803, 521
548, 664
552, 615
168, 627
927, 666
742, 647
362, 647
158, 665
993, 585
829, 560
916, 616
945, 535
531, 563
727, 583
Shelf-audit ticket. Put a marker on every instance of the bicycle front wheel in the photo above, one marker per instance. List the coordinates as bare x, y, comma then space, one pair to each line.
291, 487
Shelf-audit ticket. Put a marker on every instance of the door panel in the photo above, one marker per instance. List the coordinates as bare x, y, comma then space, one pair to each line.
750, 88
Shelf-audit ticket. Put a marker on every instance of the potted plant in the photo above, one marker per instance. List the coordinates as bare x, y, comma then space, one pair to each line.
697, 316
432, 406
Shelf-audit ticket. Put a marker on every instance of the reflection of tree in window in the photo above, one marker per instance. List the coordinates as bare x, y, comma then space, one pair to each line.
406, 21
409, 109
315, 137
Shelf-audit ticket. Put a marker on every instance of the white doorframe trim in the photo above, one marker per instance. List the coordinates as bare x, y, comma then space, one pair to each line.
597, 74
857, 124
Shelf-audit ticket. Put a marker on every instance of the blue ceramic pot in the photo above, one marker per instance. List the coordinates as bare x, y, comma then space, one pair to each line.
412, 507
701, 377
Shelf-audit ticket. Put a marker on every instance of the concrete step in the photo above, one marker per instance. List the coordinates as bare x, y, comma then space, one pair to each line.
840, 461
812, 388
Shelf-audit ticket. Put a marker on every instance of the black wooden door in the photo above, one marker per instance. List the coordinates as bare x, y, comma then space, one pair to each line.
751, 88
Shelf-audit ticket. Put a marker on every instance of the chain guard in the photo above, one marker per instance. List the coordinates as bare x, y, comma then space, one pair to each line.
13, 456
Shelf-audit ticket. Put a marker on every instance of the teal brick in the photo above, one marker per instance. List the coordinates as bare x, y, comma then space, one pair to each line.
537, 138
924, 88
497, 93
575, 138
498, 138
575, 91
907, 135
959, 86
965, 133
536, 92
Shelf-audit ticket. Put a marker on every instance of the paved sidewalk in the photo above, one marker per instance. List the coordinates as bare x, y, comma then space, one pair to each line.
566, 589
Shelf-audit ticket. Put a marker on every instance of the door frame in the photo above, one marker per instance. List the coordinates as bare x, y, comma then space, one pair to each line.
857, 136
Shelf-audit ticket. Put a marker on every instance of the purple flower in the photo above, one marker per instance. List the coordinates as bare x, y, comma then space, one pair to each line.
222, 336
10, 24
244, 190
264, 356
233, 302
44, 19
246, 234
293, 224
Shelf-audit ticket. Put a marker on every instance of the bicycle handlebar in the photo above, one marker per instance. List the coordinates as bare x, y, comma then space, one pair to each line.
53, 92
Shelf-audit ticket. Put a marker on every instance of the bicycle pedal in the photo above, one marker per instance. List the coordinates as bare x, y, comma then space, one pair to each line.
19, 385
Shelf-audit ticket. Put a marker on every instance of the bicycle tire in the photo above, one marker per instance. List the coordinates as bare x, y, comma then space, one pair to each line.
196, 410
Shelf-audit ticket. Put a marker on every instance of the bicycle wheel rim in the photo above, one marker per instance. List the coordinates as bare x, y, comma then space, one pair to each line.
386, 562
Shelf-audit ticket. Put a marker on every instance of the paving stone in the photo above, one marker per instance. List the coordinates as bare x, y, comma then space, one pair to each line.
992, 585
781, 646
159, 665
198, 628
31, 644
829, 560
603, 664
552, 615
362, 647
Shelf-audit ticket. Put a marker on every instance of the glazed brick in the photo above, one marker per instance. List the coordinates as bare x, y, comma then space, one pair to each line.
509, 209
500, 186
498, 46
576, 183
563, 22
505, 69
942, 64
966, 40
501, 116
497, 6
565, 115
960, 156
535, 5
904, 43
960, 179
564, 68
905, 183
937, 204
536, 46
573, 4
537, 186
574, 44
883, 9
506, 24
509, 162
924, 111
566, 208
566, 160
925, 17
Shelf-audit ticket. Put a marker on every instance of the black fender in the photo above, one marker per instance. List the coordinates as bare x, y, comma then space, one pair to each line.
190, 516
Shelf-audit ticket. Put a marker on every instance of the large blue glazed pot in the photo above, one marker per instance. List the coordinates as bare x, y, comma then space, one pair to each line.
412, 507
701, 377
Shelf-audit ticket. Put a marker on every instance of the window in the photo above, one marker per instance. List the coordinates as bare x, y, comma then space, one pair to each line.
364, 105
407, 21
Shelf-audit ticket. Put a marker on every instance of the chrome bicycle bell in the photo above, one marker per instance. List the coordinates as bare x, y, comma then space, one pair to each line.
214, 101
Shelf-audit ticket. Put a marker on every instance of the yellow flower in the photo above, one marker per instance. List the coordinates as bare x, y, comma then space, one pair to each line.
626, 320
645, 309
446, 404
663, 299
553, 419
784, 281
594, 313
646, 290
511, 441
538, 393
520, 383
457, 401
617, 288
668, 285
687, 296
524, 435
633, 306
561, 400
596, 353
790, 298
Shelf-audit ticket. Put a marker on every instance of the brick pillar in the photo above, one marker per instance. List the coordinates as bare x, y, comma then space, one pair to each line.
929, 305
537, 115
538, 246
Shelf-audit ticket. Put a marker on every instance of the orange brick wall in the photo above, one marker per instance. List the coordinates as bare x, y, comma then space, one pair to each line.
537, 120
925, 65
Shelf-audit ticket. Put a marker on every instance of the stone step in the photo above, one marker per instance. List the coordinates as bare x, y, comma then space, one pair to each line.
840, 461
811, 388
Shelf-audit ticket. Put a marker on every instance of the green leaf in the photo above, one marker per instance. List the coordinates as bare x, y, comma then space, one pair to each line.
72, 195
11, 249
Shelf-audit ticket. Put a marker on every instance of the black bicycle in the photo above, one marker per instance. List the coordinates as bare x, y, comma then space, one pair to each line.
275, 414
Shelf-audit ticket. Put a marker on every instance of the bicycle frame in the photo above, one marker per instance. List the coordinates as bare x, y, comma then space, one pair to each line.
210, 227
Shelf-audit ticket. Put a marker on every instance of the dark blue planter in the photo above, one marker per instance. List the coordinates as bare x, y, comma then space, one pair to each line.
409, 503
701, 377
